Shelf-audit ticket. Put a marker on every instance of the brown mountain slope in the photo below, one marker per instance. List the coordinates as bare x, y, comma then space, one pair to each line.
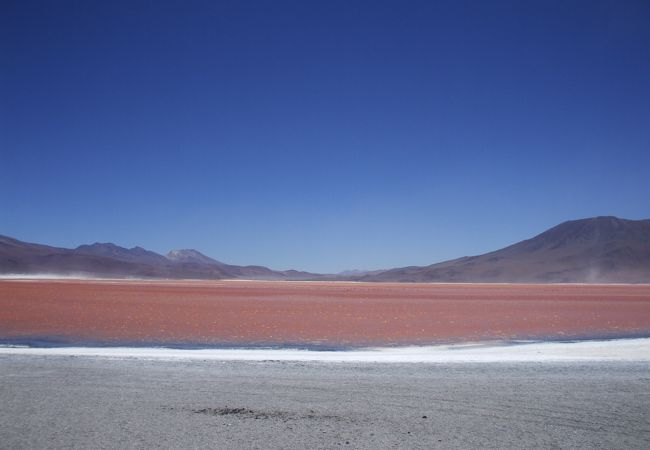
599, 249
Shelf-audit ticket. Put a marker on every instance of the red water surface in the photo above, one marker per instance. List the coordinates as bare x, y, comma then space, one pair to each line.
316, 313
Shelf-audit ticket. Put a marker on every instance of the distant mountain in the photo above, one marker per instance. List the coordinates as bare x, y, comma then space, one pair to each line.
191, 256
357, 272
135, 254
17, 257
110, 260
594, 250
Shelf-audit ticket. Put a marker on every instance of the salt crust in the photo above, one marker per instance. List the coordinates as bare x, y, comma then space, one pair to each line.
594, 350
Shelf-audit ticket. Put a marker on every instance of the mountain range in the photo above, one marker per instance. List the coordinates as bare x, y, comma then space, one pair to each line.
593, 250
110, 260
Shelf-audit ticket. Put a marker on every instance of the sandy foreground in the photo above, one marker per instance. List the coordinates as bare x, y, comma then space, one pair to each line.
88, 402
313, 314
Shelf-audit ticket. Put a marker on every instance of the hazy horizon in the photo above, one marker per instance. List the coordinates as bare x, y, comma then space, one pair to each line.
320, 136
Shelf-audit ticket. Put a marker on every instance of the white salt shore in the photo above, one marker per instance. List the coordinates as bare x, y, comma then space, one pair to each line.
593, 350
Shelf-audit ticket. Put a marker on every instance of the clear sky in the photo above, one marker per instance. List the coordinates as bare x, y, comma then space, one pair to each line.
320, 135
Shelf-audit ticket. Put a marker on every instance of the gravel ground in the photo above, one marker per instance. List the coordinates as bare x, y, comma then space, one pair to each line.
83, 402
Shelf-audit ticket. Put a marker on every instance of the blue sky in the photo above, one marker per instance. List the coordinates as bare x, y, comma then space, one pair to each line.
320, 135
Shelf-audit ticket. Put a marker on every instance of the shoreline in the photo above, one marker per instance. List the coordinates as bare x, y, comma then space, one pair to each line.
614, 350
56, 341
195, 281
